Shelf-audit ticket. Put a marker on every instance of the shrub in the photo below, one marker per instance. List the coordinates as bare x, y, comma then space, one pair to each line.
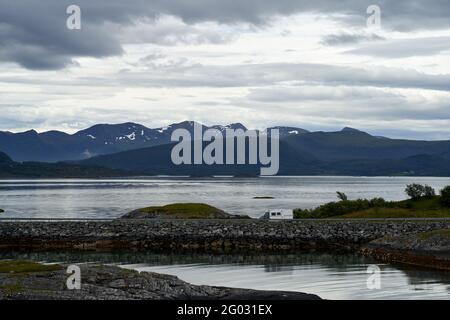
341, 196
429, 192
445, 196
415, 191
378, 202
340, 208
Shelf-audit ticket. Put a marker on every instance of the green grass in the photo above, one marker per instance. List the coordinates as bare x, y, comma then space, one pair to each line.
430, 207
432, 203
185, 211
381, 213
420, 208
19, 266
11, 288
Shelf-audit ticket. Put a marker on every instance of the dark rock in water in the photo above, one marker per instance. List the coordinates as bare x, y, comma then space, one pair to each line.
101, 282
180, 211
263, 198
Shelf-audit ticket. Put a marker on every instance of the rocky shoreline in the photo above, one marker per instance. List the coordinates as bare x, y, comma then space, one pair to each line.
101, 282
424, 249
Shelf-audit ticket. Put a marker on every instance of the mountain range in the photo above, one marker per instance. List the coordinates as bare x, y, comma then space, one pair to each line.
136, 149
100, 139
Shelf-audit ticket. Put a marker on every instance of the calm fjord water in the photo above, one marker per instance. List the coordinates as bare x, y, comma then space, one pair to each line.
330, 275
111, 198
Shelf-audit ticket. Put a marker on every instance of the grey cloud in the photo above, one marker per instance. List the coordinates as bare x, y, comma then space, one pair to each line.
178, 74
277, 73
35, 36
369, 104
349, 38
18, 115
169, 31
298, 94
33, 33
401, 48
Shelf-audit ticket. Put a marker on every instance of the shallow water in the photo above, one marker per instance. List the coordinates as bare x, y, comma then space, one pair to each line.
329, 275
66, 198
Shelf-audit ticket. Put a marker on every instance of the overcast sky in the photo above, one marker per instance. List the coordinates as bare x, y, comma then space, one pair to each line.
311, 64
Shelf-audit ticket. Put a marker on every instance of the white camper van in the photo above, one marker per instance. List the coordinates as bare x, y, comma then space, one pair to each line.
279, 214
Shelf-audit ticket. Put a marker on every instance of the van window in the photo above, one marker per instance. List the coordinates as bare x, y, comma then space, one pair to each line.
274, 214
278, 213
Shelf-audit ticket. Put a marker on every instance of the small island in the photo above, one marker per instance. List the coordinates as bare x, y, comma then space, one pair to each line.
181, 211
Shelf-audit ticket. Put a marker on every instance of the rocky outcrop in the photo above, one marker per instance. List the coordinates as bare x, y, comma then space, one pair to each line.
205, 235
427, 249
99, 282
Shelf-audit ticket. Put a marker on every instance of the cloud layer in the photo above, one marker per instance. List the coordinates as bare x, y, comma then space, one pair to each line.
295, 62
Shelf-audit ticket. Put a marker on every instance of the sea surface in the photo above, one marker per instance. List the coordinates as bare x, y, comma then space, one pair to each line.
100, 199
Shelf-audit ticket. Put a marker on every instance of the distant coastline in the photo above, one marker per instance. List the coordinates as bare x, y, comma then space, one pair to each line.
130, 149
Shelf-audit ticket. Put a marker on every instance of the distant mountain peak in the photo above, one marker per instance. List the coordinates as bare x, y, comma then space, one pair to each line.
236, 126
288, 131
186, 123
352, 130
5, 159
233, 126
29, 132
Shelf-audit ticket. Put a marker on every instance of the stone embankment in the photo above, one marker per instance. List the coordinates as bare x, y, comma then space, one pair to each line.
207, 235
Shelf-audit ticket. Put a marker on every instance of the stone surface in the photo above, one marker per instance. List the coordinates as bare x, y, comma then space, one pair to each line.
204, 234
437, 241
427, 249
99, 282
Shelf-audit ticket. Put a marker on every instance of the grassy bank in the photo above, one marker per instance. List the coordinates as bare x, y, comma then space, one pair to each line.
420, 208
378, 208
19, 267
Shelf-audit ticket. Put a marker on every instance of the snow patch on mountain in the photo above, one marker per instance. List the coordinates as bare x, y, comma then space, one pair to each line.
131, 136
